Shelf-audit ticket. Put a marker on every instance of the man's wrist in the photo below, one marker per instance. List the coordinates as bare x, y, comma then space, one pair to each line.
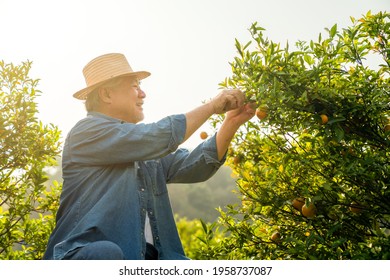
231, 124
210, 108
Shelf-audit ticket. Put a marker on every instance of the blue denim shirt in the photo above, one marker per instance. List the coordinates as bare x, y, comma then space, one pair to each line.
114, 172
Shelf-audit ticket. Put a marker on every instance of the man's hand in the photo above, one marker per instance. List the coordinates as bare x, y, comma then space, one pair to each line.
227, 100
233, 120
242, 114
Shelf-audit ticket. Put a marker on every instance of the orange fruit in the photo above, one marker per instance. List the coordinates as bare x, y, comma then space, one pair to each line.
309, 211
275, 237
354, 207
203, 135
324, 118
237, 159
261, 113
298, 202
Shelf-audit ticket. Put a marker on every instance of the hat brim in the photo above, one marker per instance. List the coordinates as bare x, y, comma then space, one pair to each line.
83, 94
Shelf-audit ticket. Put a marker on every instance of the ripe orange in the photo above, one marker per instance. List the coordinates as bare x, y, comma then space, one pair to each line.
298, 202
261, 113
237, 159
275, 237
309, 211
324, 118
354, 207
203, 135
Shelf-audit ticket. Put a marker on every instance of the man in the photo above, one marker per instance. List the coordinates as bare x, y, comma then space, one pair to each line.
114, 203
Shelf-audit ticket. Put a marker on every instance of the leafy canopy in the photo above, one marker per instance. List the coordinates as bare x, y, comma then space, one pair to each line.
324, 139
27, 147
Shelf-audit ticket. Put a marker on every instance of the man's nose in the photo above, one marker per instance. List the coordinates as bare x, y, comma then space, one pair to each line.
141, 93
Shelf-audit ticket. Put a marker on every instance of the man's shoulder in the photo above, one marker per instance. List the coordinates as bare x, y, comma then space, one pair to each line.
95, 119
91, 123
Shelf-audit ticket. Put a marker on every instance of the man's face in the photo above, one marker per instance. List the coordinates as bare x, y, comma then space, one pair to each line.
127, 100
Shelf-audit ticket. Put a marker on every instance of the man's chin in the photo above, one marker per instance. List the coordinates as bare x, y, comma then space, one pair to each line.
140, 118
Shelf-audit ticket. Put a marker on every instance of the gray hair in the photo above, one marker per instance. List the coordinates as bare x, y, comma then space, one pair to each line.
92, 102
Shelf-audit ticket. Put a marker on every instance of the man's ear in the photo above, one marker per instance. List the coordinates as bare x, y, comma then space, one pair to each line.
105, 95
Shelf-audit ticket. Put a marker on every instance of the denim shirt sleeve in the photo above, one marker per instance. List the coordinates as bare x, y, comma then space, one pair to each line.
185, 166
99, 139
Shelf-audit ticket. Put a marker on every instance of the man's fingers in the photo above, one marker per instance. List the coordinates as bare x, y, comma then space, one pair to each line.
231, 103
238, 95
229, 99
241, 97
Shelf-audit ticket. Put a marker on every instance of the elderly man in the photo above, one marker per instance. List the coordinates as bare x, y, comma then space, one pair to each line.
114, 203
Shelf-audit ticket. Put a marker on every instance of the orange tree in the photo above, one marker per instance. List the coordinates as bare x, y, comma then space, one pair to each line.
27, 147
314, 169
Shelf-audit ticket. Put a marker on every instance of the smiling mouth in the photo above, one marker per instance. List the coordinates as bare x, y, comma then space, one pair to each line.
140, 105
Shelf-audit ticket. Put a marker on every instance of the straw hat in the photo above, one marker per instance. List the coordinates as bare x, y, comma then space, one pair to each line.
104, 68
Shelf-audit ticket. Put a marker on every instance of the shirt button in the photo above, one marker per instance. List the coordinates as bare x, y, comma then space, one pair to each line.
142, 190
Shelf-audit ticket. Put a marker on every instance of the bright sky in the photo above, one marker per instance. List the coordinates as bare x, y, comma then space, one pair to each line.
186, 44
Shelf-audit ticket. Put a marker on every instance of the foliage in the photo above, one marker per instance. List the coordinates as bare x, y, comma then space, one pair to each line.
325, 139
27, 146
199, 238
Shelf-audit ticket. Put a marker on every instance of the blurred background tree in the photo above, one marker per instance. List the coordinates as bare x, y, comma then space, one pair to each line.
313, 167
201, 200
27, 147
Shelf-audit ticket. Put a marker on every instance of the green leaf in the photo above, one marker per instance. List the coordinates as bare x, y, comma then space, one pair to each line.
339, 133
333, 31
309, 60
336, 120
247, 45
204, 226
